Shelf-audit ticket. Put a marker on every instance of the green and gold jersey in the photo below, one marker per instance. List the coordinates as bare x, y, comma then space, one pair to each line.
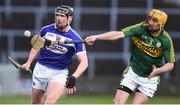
148, 49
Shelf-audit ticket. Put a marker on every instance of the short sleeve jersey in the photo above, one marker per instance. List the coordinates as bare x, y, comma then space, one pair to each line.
148, 49
59, 56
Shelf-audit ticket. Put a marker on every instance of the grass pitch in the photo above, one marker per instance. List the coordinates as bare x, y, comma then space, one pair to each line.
89, 99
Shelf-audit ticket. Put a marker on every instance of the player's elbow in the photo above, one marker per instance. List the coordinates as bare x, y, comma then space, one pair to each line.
171, 66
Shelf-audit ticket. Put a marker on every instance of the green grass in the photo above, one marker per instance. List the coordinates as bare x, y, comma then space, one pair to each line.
92, 99
15, 100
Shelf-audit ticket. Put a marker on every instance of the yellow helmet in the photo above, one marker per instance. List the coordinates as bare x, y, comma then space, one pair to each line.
159, 15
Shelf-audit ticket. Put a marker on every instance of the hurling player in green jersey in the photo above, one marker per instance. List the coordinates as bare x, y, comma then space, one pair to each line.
152, 54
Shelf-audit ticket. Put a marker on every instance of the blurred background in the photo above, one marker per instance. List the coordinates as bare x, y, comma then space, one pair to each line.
107, 60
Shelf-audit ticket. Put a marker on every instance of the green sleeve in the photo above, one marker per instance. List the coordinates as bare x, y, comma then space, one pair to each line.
169, 55
133, 30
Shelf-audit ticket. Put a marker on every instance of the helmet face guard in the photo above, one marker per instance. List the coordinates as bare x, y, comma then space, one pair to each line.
159, 15
64, 10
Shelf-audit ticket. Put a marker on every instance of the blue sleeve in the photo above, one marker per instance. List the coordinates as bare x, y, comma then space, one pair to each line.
133, 30
42, 32
80, 47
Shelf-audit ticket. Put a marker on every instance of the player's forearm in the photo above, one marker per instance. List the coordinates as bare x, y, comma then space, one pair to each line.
32, 55
112, 35
81, 68
167, 67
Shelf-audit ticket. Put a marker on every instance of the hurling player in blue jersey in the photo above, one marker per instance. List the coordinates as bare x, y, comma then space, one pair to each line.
50, 75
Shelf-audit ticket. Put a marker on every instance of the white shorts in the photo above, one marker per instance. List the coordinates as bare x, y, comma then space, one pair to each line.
42, 75
143, 84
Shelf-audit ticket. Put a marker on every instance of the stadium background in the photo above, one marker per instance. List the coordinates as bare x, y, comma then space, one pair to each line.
107, 60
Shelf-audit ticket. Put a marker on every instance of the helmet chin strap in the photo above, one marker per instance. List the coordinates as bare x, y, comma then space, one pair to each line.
68, 20
161, 27
68, 23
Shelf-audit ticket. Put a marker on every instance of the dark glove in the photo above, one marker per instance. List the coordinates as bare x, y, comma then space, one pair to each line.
71, 82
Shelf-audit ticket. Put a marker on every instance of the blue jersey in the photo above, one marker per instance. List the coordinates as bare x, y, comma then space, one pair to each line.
59, 56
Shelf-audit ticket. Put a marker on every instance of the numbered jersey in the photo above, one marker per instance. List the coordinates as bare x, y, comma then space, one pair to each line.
59, 56
148, 49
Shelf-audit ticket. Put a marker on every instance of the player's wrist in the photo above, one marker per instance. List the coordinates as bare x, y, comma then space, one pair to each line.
96, 37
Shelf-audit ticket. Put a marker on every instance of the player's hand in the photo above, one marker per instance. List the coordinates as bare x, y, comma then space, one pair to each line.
71, 84
155, 71
90, 39
26, 66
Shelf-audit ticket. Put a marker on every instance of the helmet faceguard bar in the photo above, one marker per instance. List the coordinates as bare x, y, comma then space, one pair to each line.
64, 10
